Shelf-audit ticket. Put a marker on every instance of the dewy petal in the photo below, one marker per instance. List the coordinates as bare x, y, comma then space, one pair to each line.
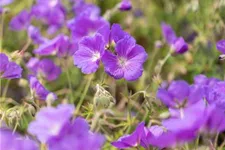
110, 62
179, 90
3, 62
13, 71
117, 33
90, 51
21, 21
124, 46
168, 33
180, 46
220, 45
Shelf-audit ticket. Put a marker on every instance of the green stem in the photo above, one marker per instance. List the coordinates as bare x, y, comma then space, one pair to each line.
5, 89
1, 30
70, 86
84, 93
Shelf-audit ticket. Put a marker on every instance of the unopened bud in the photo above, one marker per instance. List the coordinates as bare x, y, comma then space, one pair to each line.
102, 98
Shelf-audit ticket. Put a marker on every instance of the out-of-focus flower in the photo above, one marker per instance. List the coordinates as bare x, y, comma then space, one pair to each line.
51, 12
79, 136
125, 5
50, 121
45, 67
220, 45
216, 94
21, 21
132, 140
39, 90
89, 26
215, 120
183, 126
9, 70
5, 2
13, 141
53, 126
60, 45
177, 43
82, 8
35, 35
210, 89
180, 94
89, 53
152, 132
113, 35
127, 62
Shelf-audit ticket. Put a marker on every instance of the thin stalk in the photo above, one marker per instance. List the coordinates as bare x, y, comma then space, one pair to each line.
84, 93
70, 86
1, 30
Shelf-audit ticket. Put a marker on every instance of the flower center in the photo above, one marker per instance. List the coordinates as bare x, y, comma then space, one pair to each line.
96, 56
122, 61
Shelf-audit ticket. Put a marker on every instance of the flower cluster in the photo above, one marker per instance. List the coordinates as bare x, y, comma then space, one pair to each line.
194, 110
55, 128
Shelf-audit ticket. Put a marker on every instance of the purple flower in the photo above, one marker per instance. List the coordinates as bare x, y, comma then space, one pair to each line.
50, 121
127, 62
177, 43
60, 45
82, 8
9, 70
132, 140
89, 53
50, 12
216, 94
113, 35
44, 67
220, 45
170, 139
5, 2
180, 94
32, 65
13, 141
180, 46
35, 35
89, 26
152, 132
215, 121
82, 139
190, 118
125, 5
39, 90
53, 126
21, 21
